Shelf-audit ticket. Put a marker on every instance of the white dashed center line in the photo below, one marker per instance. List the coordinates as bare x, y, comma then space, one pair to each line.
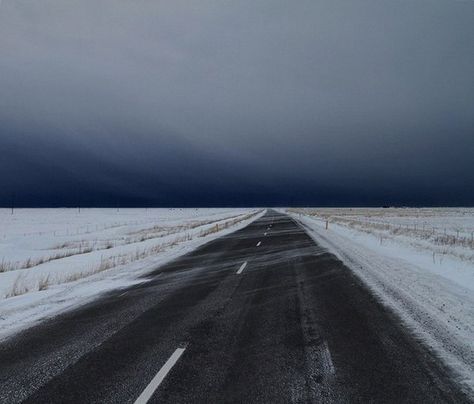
242, 267
258, 244
160, 376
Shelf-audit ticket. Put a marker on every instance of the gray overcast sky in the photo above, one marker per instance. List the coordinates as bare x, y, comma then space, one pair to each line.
237, 102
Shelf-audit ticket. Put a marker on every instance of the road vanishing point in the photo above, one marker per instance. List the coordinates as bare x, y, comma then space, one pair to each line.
262, 315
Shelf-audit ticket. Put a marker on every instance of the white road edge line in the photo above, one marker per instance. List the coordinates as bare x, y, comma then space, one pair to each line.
258, 244
242, 267
160, 376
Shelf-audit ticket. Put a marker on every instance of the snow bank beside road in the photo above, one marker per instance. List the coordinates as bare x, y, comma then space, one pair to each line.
120, 247
437, 304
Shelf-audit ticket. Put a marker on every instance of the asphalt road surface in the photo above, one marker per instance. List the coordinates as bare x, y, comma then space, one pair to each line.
263, 315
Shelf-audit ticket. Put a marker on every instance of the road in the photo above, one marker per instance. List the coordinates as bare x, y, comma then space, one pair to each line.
263, 315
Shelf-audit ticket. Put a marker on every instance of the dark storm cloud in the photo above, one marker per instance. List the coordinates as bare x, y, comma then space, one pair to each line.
216, 102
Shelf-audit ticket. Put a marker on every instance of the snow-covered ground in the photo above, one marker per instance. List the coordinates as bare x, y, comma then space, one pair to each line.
56, 259
419, 262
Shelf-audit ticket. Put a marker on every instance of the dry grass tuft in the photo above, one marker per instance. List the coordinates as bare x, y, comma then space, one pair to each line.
19, 287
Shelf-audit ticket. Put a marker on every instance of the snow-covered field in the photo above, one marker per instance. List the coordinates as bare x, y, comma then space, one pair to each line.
53, 259
419, 262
